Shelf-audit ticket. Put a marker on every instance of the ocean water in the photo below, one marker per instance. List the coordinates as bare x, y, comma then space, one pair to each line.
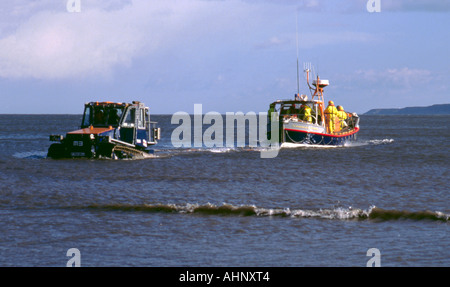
227, 206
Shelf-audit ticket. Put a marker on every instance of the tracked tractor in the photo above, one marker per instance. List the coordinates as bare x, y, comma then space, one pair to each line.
109, 130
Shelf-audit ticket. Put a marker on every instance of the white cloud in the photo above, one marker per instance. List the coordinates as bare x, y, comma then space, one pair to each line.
396, 78
51, 43
47, 42
61, 45
40, 39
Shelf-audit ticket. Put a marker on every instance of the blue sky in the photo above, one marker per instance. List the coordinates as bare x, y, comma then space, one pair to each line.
228, 55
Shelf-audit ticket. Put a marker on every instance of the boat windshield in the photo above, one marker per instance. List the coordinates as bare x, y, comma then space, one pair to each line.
102, 115
297, 111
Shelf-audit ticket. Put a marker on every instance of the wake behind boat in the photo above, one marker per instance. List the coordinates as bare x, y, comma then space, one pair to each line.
304, 121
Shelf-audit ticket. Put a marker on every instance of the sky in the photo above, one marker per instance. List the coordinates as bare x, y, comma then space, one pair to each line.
228, 55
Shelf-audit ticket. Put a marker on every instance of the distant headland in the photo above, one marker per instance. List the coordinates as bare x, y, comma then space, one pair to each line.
440, 109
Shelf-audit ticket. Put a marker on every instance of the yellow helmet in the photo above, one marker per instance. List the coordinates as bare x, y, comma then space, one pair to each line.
340, 108
331, 103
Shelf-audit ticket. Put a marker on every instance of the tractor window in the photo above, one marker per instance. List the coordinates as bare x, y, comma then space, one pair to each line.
100, 116
114, 115
131, 116
86, 117
147, 118
141, 119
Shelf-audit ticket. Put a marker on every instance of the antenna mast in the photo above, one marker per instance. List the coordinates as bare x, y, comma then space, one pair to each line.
296, 28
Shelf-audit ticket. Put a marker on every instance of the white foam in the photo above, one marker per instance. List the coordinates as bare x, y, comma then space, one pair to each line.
298, 145
383, 141
368, 142
220, 150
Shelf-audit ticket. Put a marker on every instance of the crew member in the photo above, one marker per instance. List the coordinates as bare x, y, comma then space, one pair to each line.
305, 111
331, 114
342, 115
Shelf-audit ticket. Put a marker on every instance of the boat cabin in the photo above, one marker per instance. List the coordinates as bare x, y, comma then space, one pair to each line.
295, 110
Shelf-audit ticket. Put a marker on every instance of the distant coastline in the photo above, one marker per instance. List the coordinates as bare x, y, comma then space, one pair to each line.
439, 109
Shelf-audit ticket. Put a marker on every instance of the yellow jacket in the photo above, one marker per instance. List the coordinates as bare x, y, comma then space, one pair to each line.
330, 114
342, 115
306, 110
331, 111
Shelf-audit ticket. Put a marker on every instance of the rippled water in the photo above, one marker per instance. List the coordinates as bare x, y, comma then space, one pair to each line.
227, 206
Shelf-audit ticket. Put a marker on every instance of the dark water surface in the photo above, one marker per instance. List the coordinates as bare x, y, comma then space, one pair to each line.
228, 206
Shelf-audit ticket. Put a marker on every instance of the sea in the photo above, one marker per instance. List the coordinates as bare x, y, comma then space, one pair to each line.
382, 200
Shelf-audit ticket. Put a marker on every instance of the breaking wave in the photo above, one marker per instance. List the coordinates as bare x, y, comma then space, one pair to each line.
372, 213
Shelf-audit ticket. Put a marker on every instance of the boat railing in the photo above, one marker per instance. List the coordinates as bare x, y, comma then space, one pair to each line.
347, 125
